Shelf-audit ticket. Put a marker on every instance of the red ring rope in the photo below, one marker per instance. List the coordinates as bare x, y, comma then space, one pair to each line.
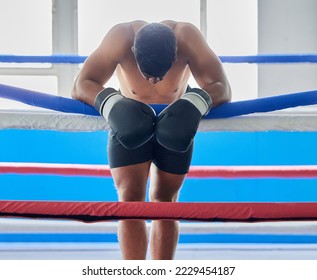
303, 171
101, 211
55, 169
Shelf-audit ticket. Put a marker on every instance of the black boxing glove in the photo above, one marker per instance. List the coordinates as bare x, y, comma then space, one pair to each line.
177, 124
131, 121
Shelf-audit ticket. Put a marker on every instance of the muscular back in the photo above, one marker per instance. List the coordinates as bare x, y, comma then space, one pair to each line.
115, 55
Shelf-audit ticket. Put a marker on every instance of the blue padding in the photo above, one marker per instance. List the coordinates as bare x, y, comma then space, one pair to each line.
73, 59
184, 238
226, 110
266, 104
271, 58
47, 101
76, 59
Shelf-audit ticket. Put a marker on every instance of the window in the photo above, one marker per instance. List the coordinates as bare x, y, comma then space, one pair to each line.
26, 27
29, 24
96, 17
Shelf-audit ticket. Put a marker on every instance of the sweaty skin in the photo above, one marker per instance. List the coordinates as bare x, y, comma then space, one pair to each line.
115, 56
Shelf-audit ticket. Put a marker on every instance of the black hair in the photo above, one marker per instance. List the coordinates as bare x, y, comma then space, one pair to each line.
155, 49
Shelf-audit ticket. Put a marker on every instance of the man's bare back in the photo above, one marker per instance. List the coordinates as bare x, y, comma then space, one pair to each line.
115, 55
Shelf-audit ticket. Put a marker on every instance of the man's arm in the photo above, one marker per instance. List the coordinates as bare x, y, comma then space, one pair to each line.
101, 64
131, 121
204, 65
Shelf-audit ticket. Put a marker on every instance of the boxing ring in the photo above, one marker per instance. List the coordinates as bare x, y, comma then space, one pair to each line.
259, 207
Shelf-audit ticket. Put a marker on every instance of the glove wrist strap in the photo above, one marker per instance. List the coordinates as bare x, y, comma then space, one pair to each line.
200, 99
105, 100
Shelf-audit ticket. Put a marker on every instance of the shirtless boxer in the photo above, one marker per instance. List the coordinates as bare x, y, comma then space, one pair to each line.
153, 62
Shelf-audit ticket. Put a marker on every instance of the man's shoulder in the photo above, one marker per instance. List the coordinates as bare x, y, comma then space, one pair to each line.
187, 32
121, 33
128, 29
185, 27
121, 27
135, 25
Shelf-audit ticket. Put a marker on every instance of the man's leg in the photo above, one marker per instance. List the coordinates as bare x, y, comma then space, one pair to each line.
164, 234
130, 172
131, 182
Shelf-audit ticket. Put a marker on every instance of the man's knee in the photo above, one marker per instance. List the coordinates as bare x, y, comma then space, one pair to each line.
129, 194
158, 195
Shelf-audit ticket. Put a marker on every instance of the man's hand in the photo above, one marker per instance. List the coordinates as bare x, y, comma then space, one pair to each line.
177, 124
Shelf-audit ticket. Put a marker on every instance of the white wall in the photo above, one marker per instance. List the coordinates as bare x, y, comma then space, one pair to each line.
232, 30
286, 27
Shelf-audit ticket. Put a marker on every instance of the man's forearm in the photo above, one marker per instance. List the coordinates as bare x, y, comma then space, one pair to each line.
219, 93
86, 91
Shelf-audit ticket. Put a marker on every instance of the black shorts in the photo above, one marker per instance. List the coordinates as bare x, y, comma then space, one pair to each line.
164, 159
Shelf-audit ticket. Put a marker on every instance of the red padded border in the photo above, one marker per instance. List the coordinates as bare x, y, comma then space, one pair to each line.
102, 211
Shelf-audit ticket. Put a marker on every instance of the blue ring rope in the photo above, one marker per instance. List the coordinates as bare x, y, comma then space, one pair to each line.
232, 109
76, 59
